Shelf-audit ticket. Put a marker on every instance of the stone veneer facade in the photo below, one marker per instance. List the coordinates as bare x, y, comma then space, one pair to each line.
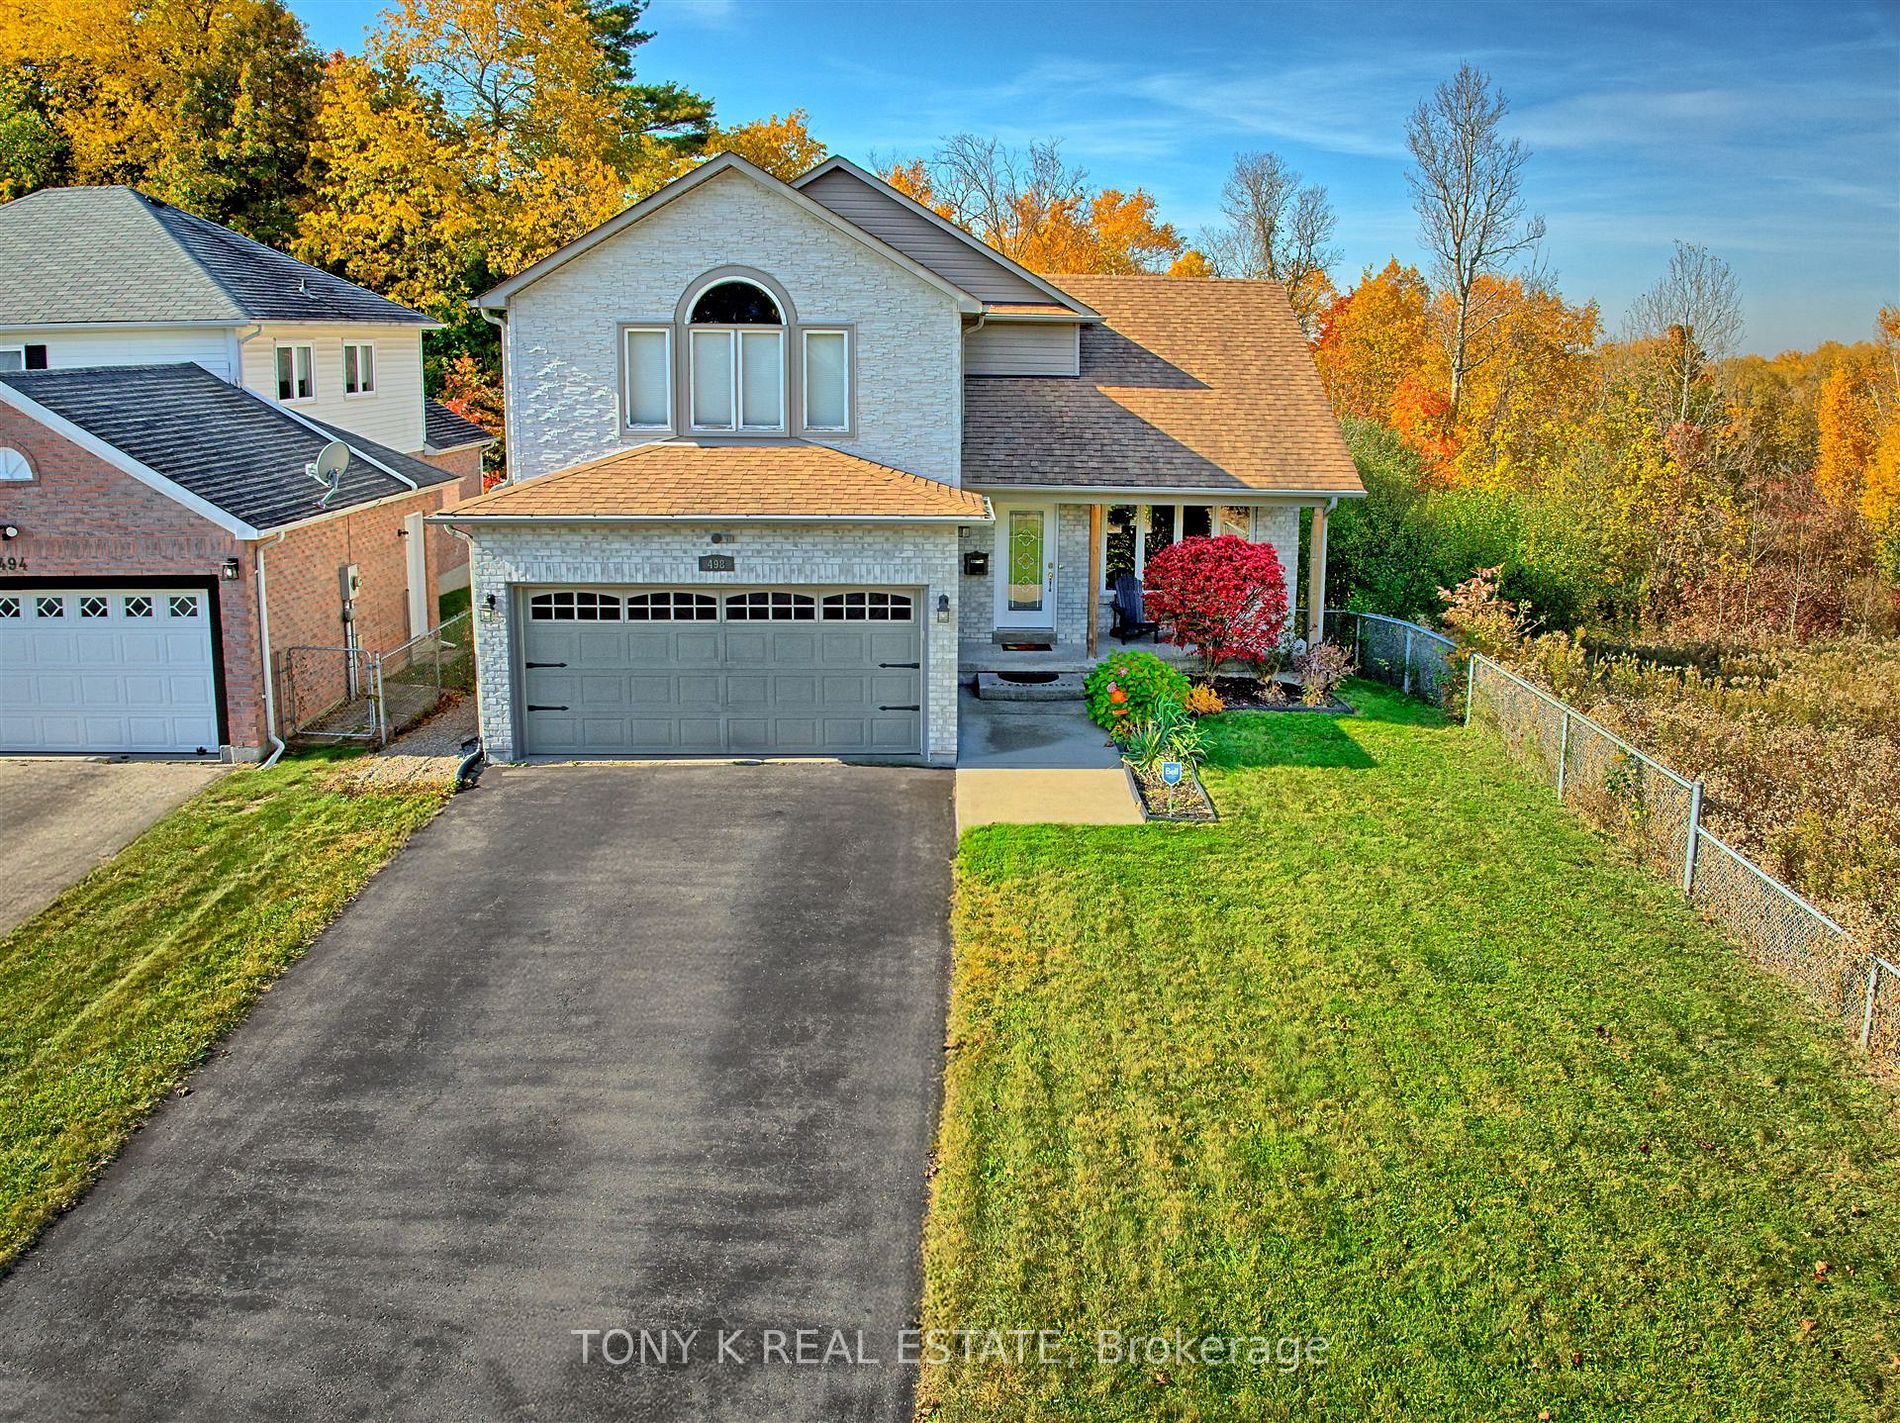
912, 556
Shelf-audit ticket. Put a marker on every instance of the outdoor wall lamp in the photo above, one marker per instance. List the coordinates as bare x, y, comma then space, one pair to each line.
488, 608
231, 571
9, 531
943, 607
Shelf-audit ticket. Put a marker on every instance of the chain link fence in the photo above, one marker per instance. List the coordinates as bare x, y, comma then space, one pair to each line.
1658, 813
1416, 660
345, 694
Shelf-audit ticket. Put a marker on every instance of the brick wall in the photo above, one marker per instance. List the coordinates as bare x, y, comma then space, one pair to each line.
304, 577
563, 361
81, 517
922, 557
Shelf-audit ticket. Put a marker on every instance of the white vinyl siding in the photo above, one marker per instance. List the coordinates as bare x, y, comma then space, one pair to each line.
828, 381
390, 415
67, 347
649, 378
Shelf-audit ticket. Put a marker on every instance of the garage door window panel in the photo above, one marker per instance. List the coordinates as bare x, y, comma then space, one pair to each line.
771, 607
138, 606
672, 608
50, 607
867, 607
574, 607
9, 607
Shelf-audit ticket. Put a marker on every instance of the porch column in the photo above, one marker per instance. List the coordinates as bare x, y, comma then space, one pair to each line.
1316, 577
1096, 565
1141, 540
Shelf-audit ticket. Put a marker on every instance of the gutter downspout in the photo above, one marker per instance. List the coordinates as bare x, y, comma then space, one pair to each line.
470, 767
263, 641
500, 322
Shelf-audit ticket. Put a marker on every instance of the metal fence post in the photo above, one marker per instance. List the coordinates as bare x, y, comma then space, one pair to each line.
1407, 687
1695, 831
1873, 991
1563, 750
1471, 684
381, 722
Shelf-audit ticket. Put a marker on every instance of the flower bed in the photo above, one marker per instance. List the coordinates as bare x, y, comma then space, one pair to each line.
1186, 801
1250, 694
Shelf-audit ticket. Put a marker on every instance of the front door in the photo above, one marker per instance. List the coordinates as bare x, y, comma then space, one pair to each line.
1026, 566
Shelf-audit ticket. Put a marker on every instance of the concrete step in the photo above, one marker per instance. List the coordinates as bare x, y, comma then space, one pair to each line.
998, 687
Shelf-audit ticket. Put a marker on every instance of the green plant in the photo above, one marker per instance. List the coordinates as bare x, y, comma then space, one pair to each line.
1140, 678
1166, 733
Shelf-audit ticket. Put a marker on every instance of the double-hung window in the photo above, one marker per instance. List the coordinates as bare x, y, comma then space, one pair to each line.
827, 381
649, 367
736, 356
296, 374
359, 368
23, 358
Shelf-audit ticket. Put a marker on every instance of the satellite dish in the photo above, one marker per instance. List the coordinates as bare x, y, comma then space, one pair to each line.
328, 469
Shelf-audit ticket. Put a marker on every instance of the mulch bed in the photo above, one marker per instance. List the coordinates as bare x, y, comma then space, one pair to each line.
1186, 801
1250, 694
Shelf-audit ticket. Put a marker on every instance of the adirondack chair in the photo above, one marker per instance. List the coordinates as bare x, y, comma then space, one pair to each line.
1130, 623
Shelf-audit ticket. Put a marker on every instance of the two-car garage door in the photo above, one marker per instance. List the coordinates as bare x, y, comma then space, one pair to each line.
106, 669
767, 671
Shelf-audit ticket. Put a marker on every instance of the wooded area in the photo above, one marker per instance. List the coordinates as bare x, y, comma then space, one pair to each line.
1641, 475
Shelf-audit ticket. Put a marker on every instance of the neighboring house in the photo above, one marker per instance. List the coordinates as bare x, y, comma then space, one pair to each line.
163, 384
789, 462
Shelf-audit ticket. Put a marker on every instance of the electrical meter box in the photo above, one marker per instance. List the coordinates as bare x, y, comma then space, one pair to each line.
351, 578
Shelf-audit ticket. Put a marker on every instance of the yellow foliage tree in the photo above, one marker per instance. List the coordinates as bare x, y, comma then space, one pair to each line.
1373, 338
783, 147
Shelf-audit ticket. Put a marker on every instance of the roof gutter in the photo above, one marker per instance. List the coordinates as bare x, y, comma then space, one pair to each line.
1148, 494
476, 520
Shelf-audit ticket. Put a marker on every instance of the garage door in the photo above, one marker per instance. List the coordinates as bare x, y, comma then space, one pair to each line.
108, 669
681, 672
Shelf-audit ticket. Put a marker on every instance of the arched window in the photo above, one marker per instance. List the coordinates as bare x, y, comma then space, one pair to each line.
737, 346
736, 303
14, 466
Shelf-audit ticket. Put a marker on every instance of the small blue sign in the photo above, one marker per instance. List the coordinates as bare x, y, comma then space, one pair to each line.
1171, 773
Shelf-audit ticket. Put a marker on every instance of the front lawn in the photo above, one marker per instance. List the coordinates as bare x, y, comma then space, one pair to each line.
1399, 1056
110, 995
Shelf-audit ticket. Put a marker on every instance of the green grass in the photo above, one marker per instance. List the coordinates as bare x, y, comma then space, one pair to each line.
1398, 1055
451, 604
115, 991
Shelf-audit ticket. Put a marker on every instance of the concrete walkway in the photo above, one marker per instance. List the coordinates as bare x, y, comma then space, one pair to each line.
1037, 763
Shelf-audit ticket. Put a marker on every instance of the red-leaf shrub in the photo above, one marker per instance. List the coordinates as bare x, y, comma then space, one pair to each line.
1224, 598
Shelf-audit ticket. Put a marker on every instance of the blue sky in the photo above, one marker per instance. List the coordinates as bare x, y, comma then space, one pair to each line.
1771, 133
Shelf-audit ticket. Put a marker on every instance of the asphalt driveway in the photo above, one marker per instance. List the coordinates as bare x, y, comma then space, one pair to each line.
607, 1048
66, 816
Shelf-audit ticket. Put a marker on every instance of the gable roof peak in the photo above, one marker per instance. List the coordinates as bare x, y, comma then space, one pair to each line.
496, 298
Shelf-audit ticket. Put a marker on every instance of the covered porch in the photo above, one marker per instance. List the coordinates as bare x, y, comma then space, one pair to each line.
1037, 585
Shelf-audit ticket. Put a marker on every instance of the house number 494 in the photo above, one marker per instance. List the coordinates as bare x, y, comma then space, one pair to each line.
12, 563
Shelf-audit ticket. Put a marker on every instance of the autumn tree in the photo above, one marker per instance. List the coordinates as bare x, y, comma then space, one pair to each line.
1467, 184
1277, 226
208, 104
1372, 339
783, 147
1038, 210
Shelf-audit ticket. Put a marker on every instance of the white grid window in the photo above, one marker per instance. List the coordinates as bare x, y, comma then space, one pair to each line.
183, 605
9, 607
867, 608
771, 608
296, 373
672, 608
138, 606
49, 607
573, 607
359, 368
93, 606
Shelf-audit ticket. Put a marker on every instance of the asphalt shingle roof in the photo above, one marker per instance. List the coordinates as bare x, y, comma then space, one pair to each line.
1185, 384
76, 255
679, 479
443, 429
227, 446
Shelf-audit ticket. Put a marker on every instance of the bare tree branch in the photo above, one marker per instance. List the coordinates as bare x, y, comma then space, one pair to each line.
1693, 315
1467, 187
1276, 228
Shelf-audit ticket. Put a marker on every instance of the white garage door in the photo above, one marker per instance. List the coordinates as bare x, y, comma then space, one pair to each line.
107, 669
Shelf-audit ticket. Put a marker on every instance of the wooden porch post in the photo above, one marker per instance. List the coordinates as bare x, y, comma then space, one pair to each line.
1095, 576
1316, 577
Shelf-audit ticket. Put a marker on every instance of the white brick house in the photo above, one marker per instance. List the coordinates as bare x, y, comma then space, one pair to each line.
788, 462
